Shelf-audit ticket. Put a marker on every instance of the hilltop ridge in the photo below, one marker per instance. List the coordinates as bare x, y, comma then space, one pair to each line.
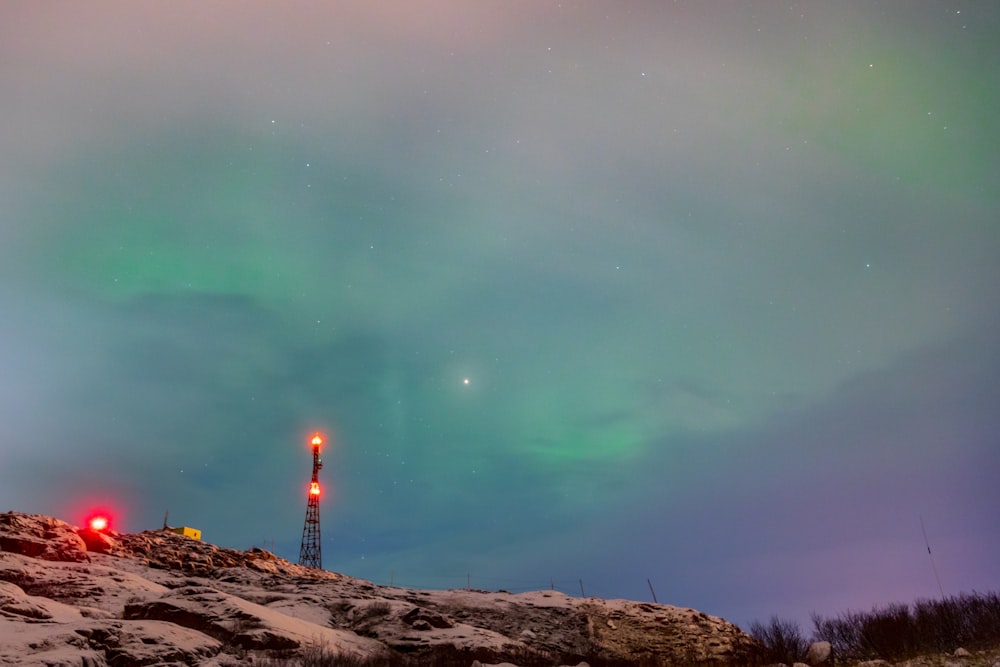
72, 596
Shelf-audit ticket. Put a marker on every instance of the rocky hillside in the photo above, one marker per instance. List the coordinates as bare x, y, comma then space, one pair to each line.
76, 597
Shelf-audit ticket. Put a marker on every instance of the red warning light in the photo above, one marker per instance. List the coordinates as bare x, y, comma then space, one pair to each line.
99, 523
317, 440
314, 489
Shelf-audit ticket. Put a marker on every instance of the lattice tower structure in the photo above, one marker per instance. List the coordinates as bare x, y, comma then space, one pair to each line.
310, 554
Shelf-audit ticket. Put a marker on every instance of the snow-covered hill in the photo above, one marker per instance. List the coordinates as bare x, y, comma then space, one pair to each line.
75, 597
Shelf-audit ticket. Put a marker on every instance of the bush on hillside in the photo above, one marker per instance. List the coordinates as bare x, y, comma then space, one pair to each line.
782, 640
899, 631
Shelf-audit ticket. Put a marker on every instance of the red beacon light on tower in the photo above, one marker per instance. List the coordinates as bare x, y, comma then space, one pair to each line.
316, 442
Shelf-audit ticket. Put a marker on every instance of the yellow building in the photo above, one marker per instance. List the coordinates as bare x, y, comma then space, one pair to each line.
193, 533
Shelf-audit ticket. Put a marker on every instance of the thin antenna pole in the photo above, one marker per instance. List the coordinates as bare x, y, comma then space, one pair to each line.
652, 591
931, 556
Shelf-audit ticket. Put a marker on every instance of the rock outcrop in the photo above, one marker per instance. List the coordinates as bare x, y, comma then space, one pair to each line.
77, 597
818, 653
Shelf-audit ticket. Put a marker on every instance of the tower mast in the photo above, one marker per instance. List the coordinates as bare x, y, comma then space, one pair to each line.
310, 554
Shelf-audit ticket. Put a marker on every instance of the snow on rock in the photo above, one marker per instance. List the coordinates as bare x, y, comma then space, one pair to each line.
14, 602
74, 597
40, 537
244, 624
148, 642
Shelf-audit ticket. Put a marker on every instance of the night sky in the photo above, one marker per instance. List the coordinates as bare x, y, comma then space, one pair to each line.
704, 293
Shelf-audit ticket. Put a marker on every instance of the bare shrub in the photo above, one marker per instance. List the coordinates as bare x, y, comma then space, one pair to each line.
899, 631
375, 609
889, 630
320, 654
782, 640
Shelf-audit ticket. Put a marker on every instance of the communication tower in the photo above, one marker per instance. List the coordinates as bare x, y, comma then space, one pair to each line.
310, 554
